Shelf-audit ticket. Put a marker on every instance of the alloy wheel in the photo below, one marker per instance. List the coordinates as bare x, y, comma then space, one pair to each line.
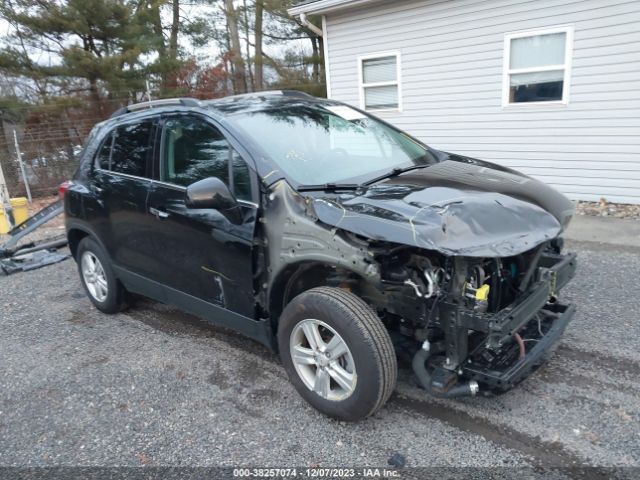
323, 360
94, 277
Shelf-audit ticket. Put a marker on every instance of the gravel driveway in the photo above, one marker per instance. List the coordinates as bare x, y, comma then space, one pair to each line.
153, 386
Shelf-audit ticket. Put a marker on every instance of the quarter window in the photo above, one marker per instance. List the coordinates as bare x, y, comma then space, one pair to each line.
380, 82
194, 149
241, 177
537, 66
104, 154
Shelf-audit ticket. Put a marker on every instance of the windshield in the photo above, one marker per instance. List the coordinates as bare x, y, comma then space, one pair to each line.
327, 143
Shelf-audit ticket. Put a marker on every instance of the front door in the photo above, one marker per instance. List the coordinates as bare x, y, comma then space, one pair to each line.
202, 252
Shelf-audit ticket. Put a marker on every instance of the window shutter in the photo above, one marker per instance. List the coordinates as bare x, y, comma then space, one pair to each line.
518, 79
381, 97
376, 70
537, 51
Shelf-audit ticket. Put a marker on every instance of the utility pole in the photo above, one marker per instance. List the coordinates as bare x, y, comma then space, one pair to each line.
24, 173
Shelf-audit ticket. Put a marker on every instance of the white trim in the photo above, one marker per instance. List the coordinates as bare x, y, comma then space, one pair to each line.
310, 26
323, 6
325, 53
397, 81
566, 66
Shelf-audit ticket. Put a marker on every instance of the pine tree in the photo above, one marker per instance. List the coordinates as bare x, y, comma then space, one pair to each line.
98, 46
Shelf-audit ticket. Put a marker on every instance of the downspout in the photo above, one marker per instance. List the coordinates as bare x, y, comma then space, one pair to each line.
305, 21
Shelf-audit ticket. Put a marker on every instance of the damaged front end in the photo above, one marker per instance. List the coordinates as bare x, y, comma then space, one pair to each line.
489, 321
466, 322
462, 262
470, 261
470, 323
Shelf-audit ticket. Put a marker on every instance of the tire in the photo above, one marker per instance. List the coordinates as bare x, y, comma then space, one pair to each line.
113, 299
367, 371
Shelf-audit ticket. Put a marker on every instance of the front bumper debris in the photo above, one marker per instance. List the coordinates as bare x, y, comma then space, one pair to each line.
501, 326
502, 371
497, 363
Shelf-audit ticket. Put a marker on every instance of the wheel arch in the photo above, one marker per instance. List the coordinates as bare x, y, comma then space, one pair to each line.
301, 276
76, 233
74, 237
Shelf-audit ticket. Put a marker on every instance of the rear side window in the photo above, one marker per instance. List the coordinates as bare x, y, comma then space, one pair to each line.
128, 149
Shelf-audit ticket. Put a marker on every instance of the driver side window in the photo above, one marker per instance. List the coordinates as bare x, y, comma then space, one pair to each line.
194, 149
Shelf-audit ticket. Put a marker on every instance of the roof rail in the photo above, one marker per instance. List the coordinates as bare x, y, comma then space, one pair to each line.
163, 102
296, 93
265, 93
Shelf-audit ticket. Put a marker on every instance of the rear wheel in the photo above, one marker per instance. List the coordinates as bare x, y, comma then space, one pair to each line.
337, 353
98, 279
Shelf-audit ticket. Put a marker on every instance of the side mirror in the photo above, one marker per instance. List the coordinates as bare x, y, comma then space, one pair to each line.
210, 193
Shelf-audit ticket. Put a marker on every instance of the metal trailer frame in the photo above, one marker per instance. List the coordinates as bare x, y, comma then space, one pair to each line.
36, 254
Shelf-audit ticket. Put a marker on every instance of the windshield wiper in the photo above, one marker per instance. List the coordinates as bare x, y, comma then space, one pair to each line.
332, 187
394, 173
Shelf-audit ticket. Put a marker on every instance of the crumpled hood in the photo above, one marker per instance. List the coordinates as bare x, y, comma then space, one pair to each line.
459, 206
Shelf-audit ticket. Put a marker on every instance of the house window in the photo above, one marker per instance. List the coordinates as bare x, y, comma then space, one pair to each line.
380, 81
537, 66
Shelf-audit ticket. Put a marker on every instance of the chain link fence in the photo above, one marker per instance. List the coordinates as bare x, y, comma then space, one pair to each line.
49, 144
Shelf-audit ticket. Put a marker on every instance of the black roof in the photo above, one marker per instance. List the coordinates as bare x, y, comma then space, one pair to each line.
224, 105
259, 101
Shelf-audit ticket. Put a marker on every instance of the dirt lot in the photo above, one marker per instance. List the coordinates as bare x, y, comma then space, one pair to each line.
153, 386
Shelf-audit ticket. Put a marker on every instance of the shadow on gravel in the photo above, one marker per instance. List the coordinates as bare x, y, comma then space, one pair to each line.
543, 454
603, 361
172, 321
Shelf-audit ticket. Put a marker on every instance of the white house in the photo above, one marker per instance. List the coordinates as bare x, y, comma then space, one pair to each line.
549, 87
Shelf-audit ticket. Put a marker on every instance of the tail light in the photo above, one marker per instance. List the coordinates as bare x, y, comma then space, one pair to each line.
62, 189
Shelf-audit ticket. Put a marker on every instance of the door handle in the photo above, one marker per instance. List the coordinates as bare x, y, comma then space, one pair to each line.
160, 214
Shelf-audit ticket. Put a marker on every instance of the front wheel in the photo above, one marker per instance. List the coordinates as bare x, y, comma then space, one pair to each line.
337, 353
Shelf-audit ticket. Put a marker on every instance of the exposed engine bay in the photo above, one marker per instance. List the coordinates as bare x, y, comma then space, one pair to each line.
474, 320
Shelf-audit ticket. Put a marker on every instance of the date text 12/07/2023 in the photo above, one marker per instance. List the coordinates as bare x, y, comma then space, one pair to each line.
316, 472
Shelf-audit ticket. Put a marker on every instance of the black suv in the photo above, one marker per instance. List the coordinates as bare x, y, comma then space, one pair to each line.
329, 236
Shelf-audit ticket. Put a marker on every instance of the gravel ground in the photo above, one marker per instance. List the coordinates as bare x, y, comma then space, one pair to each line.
153, 386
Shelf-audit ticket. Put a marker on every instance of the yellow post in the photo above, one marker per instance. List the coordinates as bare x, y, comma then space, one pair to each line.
20, 208
4, 225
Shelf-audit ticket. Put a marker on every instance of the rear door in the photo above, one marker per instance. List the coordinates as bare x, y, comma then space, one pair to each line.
201, 252
122, 179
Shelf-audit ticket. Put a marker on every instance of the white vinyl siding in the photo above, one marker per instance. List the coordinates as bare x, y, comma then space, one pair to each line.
452, 77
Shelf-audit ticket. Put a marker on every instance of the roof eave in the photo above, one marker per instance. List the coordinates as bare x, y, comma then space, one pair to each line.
324, 6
